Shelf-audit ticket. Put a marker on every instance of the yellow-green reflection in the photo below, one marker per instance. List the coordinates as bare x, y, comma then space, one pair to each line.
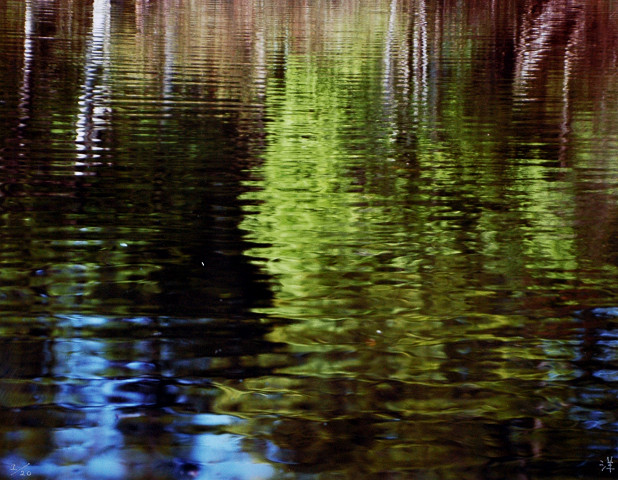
420, 229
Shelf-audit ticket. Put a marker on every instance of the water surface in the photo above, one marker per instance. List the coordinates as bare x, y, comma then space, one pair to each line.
289, 239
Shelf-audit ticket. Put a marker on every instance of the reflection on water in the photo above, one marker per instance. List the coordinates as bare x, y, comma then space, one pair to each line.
272, 239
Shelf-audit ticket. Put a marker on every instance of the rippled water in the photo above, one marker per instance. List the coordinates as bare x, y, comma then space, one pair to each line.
317, 240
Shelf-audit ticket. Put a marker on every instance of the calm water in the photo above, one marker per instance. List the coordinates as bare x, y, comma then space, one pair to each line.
291, 239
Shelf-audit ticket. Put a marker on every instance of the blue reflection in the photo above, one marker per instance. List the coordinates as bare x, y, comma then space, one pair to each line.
118, 415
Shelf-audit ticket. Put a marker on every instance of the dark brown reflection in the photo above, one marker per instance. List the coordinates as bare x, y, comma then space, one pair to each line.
117, 136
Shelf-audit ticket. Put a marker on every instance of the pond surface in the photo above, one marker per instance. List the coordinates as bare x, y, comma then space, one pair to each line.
291, 239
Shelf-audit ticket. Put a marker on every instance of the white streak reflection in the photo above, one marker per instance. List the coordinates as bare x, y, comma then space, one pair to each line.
535, 43
24, 90
420, 58
94, 102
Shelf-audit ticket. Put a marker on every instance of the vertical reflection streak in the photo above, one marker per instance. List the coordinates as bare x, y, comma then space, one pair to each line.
24, 89
389, 73
420, 58
404, 66
260, 69
570, 55
535, 43
170, 35
424, 50
94, 101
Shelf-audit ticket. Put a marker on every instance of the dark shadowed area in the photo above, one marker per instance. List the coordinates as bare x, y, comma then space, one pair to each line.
294, 239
